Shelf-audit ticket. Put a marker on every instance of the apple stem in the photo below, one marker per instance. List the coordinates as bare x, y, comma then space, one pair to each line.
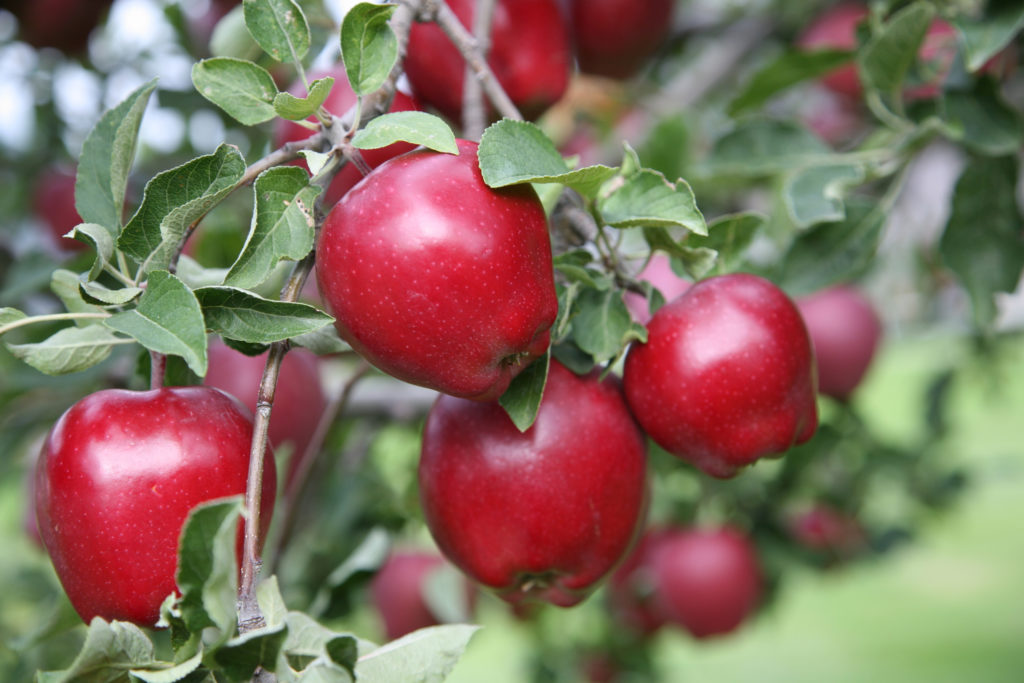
157, 369
474, 113
463, 40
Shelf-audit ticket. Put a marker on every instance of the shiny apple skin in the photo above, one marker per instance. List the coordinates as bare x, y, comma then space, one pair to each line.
726, 376
530, 55
845, 330
341, 99
615, 38
540, 515
116, 478
436, 278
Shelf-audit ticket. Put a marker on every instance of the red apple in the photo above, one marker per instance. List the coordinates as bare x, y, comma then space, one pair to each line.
632, 598
836, 29
436, 278
61, 24
299, 399
530, 56
659, 273
341, 99
615, 38
823, 528
706, 580
542, 514
53, 201
726, 376
845, 331
398, 590
116, 478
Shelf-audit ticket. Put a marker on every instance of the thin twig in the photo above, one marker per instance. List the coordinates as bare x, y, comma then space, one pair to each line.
474, 111
157, 369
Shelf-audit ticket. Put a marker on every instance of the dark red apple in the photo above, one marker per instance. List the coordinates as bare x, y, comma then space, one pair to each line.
659, 273
615, 38
530, 56
116, 478
706, 580
61, 24
540, 515
299, 399
436, 278
726, 376
341, 99
53, 201
398, 590
845, 331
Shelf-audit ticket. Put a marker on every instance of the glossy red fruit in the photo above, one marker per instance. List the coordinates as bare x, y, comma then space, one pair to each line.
116, 479
543, 514
615, 38
708, 581
436, 278
399, 588
726, 376
53, 201
341, 99
299, 399
61, 24
660, 274
845, 331
530, 56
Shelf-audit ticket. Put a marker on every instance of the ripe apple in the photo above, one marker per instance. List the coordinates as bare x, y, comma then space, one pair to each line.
341, 99
845, 331
116, 478
615, 38
706, 580
530, 56
299, 399
53, 201
540, 515
398, 590
836, 29
632, 598
61, 24
822, 528
659, 273
726, 376
436, 278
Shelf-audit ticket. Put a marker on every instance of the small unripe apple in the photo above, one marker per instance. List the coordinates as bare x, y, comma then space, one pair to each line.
53, 201
615, 38
845, 331
341, 99
399, 587
529, 54
726, 375
116, 478
299, 399
436, 278
542, 514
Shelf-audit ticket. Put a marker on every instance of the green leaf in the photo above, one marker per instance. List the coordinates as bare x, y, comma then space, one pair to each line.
280, 28
294, 108
648, 199
71, 349
101, 240
66, 285
367, 557
10, 315
109, 650
788, 69
815, 194
170, 674
427, 656
885, 60
696, 261
168, 319
983, 121
246, 91
729, 236
522, 398
239, 657
985, 37
444, 593
982, 241
517, 152
322, 341
762, 147
207, 565
602, 325
242, 315
175, 199
231, 38
415, 127
369, 47
95, 293
106, 158
282, 228
835, 252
